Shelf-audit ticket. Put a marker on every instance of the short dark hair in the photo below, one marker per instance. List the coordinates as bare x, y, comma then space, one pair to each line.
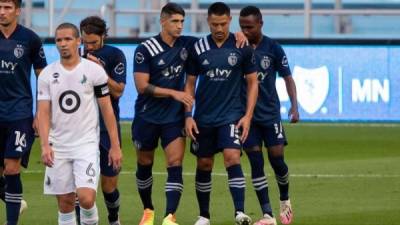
251, 11
17, 3
94, 25
172, 8
69, 26
219, 9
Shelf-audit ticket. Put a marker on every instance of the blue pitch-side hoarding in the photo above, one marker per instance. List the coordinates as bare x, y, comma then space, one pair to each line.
334, 82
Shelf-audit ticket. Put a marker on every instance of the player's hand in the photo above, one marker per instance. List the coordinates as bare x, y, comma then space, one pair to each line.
241, 40
115, 158
94, 59
184, 98
35, 126
244, 125
47, 155
294, 115
190, 127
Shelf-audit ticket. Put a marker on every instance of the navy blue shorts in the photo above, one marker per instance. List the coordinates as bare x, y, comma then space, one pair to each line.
272, 135
104, 146
212, 140
145, 135
16, 139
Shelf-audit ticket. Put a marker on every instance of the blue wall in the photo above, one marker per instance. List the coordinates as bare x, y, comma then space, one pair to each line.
334, 82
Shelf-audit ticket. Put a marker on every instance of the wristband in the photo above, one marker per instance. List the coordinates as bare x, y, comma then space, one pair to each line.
188, 114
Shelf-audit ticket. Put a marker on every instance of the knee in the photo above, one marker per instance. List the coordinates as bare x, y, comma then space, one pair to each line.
205, 164
108, 184
11, 167
145, 159
87, 201
66, 204
174, 161
231, 159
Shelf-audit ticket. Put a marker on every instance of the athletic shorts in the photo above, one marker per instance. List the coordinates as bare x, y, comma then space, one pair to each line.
212, 140
16, 139
271, 135
80, 170
145, 135
104, 146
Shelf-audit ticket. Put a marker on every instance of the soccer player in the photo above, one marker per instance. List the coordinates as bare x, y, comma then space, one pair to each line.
159, 67
220, 121
20, 49
266, 124
112, 59
70, 91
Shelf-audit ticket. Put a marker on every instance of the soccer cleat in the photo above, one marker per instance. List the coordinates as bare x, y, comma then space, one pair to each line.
24, 206
286, 213
148, 217
202, 221
169, 220
242, 219
266, 220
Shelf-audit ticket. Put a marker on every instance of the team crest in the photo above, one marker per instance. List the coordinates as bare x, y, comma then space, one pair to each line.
312, 86
139, 58
184, 54
265, 62
232, 59
19, 51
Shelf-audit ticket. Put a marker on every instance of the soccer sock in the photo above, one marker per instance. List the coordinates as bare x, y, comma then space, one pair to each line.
281, 174
112, 203
144, 180
77, 210
66, 218
3, 188
237, 184
89, 216
260, 182
13, 198
203, 191
173, 188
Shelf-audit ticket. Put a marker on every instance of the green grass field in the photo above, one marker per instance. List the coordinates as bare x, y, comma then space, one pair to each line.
340, 175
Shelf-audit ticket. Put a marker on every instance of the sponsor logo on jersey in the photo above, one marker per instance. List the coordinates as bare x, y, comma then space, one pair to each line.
218, 74
19, 51
8, 65
120, 68
139, 58
285, 61
69, 102
232, 59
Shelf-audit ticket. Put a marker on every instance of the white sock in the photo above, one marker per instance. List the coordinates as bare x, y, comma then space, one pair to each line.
89, 216
67, 218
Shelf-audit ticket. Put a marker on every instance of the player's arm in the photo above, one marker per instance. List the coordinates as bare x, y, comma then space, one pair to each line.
252, 93
115, 154
143, 86
43, 116
241, 39
190, 124
35, 124
294, 116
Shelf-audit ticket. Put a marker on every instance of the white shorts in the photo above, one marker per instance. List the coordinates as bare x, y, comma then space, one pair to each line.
80, 170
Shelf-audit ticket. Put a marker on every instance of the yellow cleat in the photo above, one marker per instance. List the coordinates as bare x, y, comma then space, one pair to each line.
148, 217
169, 220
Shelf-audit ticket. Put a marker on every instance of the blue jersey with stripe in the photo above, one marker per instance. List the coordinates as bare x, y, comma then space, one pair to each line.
166, 68
114, 63
17, 55
270, 60
220, 71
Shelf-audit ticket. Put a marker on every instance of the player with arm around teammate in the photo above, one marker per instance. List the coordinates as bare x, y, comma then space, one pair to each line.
70, 93
266, 125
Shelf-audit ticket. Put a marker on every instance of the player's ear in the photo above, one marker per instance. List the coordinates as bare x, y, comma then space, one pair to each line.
18, 11
79, 41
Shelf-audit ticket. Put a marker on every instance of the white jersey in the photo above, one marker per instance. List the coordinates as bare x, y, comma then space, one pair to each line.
74, 108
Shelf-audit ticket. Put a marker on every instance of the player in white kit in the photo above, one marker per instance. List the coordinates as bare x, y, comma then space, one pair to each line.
70, 92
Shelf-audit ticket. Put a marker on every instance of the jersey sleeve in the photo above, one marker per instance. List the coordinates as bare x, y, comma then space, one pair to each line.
118, 72
281, 64
249, 64
43, 87
192, 67
38, 56
100, 81
141, 62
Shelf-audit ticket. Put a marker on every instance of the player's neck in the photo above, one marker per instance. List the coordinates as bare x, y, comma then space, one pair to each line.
220, 42
257, 41
70, 63
8, 30
167, 39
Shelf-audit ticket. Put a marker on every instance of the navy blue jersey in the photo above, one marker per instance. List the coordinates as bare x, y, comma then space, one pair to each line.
17, 55
166, 67
270, 60
220, 72
114, 63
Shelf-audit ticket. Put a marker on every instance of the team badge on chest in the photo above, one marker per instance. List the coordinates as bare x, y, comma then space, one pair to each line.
265, 62
232, 59
19, 51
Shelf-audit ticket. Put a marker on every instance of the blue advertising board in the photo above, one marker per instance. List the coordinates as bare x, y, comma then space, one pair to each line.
334, 82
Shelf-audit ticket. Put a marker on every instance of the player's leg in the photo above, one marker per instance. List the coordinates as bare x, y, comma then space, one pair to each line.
275, 140
2, 182
228, 140
66, 205
173, 142
145, 137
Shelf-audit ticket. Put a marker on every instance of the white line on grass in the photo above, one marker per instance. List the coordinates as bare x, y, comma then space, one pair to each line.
292, 175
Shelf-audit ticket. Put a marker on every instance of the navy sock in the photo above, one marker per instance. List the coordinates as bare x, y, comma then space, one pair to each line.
13, 198
203, 191
259, 180
282, 175
237, 184
173, 188
3, 188
77, 211
112, 204
144, 180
